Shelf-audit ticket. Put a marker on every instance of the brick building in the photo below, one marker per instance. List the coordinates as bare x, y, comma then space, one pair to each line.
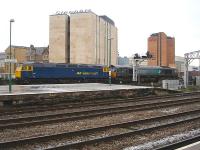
18, 54
22, 54
2, 62
162, 47
37, 54
82, 38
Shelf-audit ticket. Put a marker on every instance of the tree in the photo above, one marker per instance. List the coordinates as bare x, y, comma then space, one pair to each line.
136, 56
149, 55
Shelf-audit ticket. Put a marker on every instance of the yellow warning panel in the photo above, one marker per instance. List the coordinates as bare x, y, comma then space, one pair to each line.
105, 69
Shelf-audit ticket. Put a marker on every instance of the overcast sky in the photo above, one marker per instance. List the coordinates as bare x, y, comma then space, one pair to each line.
136, 20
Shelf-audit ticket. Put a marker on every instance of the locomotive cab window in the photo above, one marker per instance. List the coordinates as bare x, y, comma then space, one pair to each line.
23, 68
29, 68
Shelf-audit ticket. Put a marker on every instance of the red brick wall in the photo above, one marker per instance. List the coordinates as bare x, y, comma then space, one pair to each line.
152, 48
171, 49
163, 50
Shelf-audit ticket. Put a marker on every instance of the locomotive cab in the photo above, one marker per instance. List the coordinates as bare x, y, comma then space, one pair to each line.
18, 72
23, 71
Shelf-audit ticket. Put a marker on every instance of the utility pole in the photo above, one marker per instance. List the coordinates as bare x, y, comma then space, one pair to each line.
110, 78
186, 63
110, 50
10, 77
189, 57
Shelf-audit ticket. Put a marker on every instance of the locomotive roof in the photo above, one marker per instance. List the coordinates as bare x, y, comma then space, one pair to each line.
155, 67
60, 65
144, 67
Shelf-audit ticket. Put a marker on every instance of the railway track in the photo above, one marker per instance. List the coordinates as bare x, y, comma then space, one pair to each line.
74, 104
89, 103
78, 115
133, 128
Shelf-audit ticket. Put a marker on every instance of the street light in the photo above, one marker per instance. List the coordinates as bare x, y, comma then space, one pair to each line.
110, 42
10, 77
110, 60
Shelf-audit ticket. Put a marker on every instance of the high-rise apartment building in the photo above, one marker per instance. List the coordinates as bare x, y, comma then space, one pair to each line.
162, 47
82, 38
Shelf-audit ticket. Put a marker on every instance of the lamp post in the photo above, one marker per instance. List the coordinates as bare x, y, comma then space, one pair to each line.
10, 77
110, 44
110, 60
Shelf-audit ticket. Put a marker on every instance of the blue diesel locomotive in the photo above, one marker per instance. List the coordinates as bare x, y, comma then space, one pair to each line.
39, 71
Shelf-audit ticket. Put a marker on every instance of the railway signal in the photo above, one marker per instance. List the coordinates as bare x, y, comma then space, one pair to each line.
136, 61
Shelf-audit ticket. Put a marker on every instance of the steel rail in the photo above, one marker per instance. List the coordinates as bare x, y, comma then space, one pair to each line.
118, 136
11, 111
36, 139
76, 104
91, 111
80, 115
